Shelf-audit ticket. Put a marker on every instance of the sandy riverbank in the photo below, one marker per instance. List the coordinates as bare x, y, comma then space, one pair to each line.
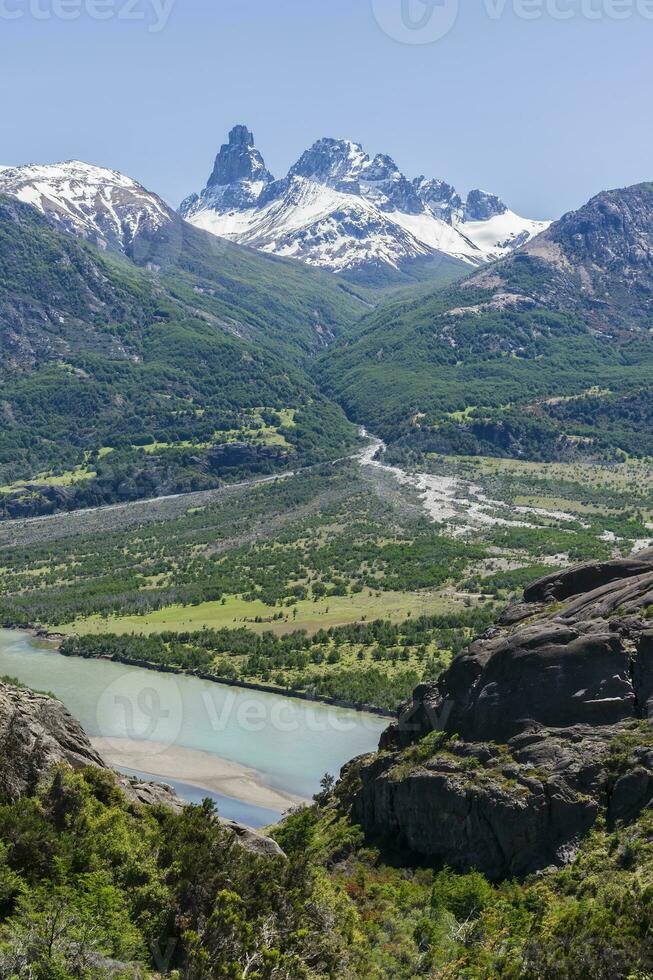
201, 769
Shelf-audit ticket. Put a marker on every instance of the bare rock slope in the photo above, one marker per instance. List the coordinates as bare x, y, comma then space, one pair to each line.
540, 728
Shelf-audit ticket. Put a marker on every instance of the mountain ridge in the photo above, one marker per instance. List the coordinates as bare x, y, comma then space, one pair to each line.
343, 210
122, 381
102, 206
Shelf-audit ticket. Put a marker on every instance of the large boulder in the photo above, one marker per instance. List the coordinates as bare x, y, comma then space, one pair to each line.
37, 733
540, 726
585, 578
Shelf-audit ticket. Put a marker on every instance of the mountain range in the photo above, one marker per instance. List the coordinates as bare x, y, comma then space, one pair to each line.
144, 355
342, 210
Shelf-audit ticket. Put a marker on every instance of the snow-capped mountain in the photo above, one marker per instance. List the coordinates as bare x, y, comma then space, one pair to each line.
343, 210
102, 206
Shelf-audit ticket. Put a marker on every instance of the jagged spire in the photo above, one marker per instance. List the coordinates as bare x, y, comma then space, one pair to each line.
238, 160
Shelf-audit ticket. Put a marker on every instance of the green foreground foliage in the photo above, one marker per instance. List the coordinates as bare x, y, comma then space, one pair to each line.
92, 886
592, 919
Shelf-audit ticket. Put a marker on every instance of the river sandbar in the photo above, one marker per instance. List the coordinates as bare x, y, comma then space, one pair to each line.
197, 768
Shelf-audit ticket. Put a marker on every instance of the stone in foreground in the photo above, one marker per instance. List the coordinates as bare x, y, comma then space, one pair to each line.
37, 734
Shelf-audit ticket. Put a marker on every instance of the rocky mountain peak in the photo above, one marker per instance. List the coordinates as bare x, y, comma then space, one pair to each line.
481, 206
614, 228
382, 167
334, 162
357, 215
442, 198
239, 160
596, 261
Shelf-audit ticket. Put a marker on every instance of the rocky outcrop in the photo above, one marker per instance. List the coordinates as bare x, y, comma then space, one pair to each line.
250, 841
540, 727
239, 160
481, 206
37, 734
238, 179
443, 199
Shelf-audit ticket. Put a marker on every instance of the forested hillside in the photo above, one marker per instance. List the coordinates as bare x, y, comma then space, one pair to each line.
546, 355
122, 381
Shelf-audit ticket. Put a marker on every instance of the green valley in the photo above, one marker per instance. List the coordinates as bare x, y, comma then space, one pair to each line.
335, 581
261, 519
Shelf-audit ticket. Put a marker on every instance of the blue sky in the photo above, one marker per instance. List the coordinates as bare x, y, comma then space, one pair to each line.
543, 111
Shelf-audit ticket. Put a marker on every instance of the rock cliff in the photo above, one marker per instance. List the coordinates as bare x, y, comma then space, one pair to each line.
542, 726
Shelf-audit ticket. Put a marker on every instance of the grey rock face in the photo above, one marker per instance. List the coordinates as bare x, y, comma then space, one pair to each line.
481, 206
336, 163
607, 247
440, 197
238, 181
238, 160
255, 843
614, 230
585, 578
539, 727
478, 806
37, 733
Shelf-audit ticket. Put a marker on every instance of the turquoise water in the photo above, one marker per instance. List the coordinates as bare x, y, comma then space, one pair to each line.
290, 743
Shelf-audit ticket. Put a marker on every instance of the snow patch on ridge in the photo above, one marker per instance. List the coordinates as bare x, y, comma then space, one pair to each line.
100, 205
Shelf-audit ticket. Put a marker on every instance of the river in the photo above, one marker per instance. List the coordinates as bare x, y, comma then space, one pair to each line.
265, 749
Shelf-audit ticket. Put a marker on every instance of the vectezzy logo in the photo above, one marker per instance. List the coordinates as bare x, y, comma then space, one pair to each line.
416, 21
151, 715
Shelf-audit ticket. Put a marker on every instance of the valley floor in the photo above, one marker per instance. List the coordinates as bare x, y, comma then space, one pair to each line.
352, 580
